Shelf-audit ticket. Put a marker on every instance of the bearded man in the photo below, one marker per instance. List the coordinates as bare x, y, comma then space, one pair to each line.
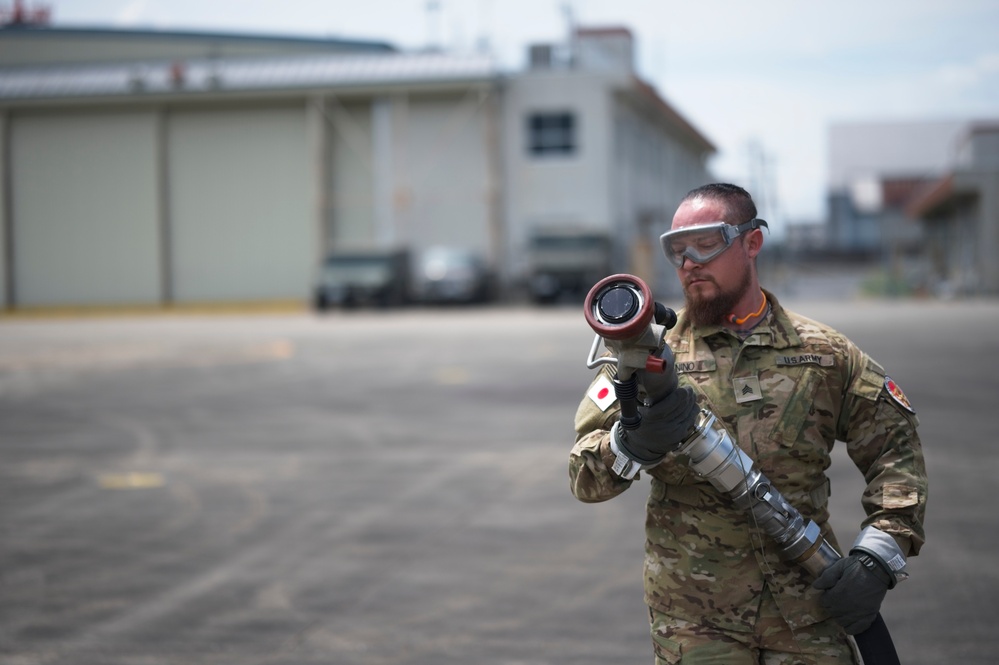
786, 388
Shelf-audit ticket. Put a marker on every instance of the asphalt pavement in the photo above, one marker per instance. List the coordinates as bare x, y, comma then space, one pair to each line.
390, 487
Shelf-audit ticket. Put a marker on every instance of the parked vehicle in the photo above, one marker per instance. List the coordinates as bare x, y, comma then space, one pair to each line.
374, 278
452, 275
565, 263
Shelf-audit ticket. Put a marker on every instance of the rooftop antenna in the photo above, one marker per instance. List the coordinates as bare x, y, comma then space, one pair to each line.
484, 44
433, 8
763, 180
570, 24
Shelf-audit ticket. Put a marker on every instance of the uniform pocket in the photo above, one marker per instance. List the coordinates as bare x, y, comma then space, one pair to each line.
898, 496
667, 651
797, 409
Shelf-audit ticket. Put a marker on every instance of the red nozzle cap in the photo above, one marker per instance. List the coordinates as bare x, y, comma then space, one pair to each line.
655, 365
627, 329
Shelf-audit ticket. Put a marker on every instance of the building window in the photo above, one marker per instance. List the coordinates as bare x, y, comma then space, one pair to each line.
551, 133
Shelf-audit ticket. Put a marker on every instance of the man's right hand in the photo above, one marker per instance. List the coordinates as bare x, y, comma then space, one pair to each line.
667, 416
665, 424
658, 386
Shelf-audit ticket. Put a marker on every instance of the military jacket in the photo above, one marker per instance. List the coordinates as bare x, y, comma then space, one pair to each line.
786, 393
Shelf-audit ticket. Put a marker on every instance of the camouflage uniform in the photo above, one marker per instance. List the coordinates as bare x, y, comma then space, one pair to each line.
786, 392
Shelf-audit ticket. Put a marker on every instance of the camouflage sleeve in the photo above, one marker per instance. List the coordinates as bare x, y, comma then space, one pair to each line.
590, 460
880, 432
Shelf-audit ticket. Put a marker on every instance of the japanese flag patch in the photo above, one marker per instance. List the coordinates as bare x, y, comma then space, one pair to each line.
602, 392
896, 394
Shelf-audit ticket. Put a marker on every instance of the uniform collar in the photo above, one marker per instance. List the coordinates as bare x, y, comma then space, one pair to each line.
775, 330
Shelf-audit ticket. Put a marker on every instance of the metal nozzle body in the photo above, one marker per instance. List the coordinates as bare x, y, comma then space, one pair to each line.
715, 457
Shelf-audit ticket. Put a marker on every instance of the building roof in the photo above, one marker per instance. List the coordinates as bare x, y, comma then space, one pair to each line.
932, 198
17, 32
899, 192
652, 96
605, 31
204, 75
891, 149
958, 183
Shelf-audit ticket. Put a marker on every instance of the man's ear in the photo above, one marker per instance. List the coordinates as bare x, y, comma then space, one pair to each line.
754, 243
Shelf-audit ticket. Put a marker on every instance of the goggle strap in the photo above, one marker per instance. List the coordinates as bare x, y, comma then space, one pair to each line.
751, 225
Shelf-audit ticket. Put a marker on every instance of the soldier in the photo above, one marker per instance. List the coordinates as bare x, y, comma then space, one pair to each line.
786, 388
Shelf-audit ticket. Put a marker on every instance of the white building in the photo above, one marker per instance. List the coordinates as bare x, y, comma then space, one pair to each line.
147, 168
623, 161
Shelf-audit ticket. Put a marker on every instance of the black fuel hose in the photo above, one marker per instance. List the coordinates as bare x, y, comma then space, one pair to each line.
875, 644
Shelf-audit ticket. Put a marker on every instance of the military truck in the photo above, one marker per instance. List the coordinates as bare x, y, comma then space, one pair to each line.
365, 278
564, 263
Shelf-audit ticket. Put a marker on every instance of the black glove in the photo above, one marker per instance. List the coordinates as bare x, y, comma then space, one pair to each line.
854, 588
667, 416
658, 386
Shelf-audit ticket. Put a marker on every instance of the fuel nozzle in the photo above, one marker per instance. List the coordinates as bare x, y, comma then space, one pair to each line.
622, 313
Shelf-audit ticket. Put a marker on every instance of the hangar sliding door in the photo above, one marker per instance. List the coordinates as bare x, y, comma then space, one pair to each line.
448, 162
241, 200
84, 209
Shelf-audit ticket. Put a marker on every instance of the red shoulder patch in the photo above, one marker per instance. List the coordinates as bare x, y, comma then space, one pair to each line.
896, 394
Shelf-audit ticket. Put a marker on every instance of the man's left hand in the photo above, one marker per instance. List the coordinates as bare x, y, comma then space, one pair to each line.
854, 588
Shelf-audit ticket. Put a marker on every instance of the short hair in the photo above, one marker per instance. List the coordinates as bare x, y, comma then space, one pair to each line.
737, 200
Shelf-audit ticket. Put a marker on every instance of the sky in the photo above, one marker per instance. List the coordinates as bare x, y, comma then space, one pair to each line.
763, 81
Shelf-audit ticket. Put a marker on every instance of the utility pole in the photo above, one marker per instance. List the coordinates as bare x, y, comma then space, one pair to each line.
434, 42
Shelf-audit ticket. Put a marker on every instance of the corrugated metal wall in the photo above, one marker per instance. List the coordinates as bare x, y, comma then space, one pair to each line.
447, 172
352, 175
84, 193
148, 207
241, 221
410, 171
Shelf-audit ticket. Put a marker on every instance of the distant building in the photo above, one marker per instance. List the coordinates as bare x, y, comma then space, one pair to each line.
919, 198
144, 167
131, 180
868, 161
805, 239
960, 217
593, 147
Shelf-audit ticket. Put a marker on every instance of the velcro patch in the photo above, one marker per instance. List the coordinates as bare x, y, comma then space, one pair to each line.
688, 366
895, 496
747, 389
896, 394
806, 359
602, 393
